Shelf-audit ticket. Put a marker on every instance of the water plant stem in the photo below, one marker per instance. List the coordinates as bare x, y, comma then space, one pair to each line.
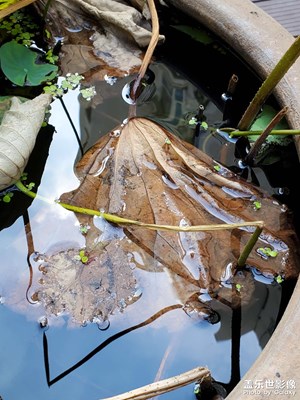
47, 5
124, 221
248, 247
279, 132
149, 52
262, 138
284, 64
72, 124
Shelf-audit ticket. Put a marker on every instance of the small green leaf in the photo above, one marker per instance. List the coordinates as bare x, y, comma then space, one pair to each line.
88, 93
30, 186
257, 204
204, 125
217, 168
193, 121
268, 251
84, 259
84, 229
238, 287
81, 253
7, 197
74, 79
279, 279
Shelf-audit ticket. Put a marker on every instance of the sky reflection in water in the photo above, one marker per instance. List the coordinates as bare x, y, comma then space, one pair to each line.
174, 342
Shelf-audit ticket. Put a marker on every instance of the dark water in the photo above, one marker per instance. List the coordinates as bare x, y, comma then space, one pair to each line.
66, 361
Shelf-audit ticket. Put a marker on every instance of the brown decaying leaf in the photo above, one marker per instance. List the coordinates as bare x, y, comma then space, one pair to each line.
103, 37
89, 291
18, 132
142, 172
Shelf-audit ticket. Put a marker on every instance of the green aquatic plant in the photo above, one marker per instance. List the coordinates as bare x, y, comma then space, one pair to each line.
69, 82
82, 256
19, 26
279, 279
257, 205
267, 251
84, 229
19, 65
6, 197
51, 57
278, 72
238, 287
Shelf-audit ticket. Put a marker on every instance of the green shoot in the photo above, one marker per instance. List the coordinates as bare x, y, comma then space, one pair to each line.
82, 257
279, 279
257, 205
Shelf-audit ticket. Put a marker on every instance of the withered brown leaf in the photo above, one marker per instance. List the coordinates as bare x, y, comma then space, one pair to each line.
89, 291
143, 172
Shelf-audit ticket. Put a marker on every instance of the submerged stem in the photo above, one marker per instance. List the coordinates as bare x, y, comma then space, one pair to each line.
46, 9
72, 125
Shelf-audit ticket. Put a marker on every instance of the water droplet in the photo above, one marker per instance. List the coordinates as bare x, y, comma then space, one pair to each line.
115, 133
43, 321
111, 80
241, 164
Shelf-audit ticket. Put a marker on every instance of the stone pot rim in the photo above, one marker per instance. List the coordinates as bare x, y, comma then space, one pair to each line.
260, 41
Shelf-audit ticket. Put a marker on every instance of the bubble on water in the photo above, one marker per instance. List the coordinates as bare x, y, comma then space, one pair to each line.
103, 325
241, 164
126, 94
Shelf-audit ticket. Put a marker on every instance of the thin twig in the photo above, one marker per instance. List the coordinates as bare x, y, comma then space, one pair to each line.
149, 52
164, 386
